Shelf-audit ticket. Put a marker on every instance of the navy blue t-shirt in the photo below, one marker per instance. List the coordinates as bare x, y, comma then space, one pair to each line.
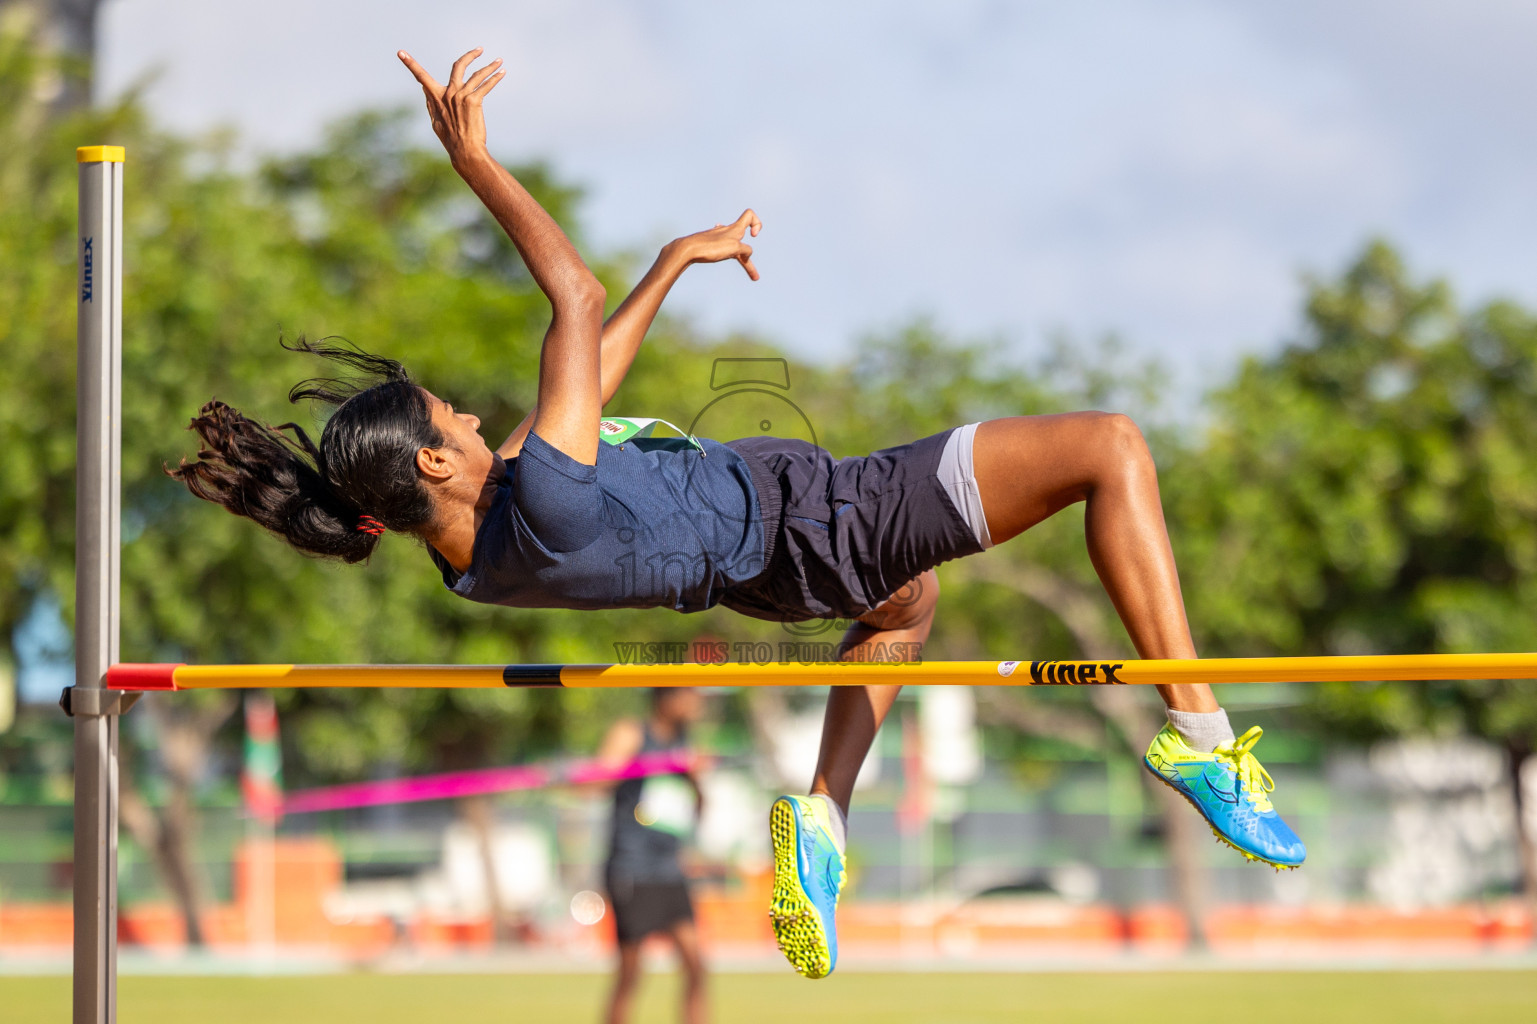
653, 525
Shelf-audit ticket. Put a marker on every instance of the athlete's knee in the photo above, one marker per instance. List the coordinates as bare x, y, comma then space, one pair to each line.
629, 967
926, 596
1122, 443
693, 969
910, 607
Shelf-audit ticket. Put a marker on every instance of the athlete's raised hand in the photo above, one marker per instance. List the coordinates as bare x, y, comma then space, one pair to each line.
455, 108
724, 242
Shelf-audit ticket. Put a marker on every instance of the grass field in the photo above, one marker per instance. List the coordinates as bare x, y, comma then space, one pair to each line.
1268, 998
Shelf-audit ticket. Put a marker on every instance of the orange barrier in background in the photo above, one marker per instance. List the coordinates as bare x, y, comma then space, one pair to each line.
734, 923
735, 920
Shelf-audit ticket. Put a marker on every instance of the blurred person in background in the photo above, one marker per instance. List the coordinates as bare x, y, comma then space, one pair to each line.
647, 887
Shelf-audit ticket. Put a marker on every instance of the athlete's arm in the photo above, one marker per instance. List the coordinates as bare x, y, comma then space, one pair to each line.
568, 405
621, 744
627, 327
692, 778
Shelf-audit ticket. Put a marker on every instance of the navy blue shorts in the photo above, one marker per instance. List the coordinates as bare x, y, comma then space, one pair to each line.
846, 533
642, 907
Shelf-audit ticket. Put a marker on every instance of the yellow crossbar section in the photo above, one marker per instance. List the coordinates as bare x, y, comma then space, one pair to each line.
930, 673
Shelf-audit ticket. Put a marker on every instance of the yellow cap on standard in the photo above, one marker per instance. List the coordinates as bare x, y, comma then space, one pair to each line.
100, 155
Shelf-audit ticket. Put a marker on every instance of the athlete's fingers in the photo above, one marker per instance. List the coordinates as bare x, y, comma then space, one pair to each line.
456, 73
745, 259
474, 81
749, 222
428, 82
485, 87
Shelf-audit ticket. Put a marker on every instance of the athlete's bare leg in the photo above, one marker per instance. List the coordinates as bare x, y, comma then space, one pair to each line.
893, 631
685, 938
1028, 468
626, 978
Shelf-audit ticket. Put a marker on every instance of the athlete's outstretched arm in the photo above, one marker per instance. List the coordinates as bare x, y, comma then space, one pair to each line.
568, 404
627, 327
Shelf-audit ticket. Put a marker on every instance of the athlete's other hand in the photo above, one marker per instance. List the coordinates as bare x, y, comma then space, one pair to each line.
455, 108
723, 242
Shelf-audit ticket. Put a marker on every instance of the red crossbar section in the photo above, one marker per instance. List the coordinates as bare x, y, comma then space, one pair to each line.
142, 676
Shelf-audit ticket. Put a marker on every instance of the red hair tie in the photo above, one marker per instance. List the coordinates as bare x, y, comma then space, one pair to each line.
370, 525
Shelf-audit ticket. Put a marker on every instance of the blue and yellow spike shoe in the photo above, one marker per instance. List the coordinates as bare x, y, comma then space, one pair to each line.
808, 875
1232, 790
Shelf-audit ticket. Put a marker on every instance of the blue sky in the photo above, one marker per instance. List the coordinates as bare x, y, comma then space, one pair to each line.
1163, 171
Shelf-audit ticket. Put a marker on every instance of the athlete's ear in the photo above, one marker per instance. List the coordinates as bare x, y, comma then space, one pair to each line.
434, 464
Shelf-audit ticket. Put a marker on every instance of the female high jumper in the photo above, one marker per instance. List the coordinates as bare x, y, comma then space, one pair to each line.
772, 528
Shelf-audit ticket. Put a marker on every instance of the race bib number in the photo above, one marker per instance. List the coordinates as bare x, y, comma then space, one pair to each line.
667, 805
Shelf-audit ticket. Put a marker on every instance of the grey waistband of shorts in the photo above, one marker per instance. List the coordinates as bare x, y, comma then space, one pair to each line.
958, 476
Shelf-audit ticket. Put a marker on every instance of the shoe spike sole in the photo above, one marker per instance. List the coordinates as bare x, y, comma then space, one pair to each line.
797, 924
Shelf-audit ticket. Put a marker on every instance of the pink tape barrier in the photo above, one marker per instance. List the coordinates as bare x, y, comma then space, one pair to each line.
473, 783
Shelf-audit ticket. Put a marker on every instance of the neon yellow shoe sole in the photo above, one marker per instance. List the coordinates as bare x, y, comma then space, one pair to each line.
808, 874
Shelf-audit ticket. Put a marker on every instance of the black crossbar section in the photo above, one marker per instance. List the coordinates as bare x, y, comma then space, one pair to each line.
531, 675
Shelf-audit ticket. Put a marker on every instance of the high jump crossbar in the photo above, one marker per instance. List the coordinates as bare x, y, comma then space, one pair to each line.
1355, 668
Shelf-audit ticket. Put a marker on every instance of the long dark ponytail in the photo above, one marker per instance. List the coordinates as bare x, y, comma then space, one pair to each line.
335, 499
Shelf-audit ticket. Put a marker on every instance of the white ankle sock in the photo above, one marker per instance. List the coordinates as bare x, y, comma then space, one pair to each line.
1203, 731
840, 823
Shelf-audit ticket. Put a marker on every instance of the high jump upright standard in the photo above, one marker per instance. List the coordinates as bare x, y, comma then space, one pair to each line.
98, 475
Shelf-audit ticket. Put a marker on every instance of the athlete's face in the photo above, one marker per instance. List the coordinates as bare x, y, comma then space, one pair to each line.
463, 445
684, 705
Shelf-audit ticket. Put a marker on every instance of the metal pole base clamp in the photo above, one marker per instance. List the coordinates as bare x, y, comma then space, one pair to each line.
92, 700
